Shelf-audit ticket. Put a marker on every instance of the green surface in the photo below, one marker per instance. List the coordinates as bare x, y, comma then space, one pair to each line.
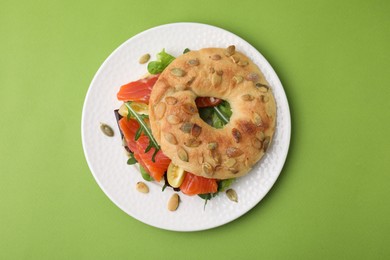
332, 198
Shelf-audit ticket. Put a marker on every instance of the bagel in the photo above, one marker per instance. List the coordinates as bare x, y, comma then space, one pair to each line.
191, 143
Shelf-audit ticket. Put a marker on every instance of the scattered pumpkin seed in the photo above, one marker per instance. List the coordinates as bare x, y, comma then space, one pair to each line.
144, 58
232, 195
190, 108
106, 129
256, 143
173, 202
235, 58
242, 63
230, 162
142, 187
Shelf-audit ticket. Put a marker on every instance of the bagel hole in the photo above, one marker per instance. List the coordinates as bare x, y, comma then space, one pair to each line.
214, 111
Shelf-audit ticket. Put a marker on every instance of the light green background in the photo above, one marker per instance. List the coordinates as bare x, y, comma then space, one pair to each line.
332, 198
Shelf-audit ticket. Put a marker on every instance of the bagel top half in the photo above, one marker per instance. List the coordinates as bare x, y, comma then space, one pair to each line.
190, 142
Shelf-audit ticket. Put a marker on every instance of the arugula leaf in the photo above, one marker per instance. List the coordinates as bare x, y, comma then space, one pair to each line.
216, 116
163, 60
222, 186
143, 129
145, 175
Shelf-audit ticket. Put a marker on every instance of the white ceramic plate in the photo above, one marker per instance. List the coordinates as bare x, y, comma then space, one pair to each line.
106, 157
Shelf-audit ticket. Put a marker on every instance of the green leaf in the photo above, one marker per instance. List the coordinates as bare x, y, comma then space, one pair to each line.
144, 128
163, 60
145, 175
131, 160
186, 50
225, 184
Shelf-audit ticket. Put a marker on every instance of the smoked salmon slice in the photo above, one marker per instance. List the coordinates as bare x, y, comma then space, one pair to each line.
193, 185
138, 91
161, 162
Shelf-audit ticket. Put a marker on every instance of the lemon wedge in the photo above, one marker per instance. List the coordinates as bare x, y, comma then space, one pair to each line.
175, 175
140, 108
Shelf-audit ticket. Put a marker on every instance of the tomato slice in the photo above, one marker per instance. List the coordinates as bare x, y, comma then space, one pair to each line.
138, 90
207, 101
193, 185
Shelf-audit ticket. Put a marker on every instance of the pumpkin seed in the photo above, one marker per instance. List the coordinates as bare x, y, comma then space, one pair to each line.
265, 99
192, 142
106, 129
232, 195
142, 187
235, 59
178, 72
253, 76
230, 162
182, 154
257, 119
233, 152
238, 79
215, 155
193, 62
186, 127
173, 119
159, 110
190, 108
247, 97
212, 145
173, 202
266, 142
230, 50
170, 138
236, 135
242, 63
216, 79
262, 87
144, 58
260, 135
256, 143
233, 170
207, 168
171, 100
196, 130
216, 57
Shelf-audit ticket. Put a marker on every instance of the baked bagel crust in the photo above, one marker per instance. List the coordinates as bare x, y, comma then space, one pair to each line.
190, 142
